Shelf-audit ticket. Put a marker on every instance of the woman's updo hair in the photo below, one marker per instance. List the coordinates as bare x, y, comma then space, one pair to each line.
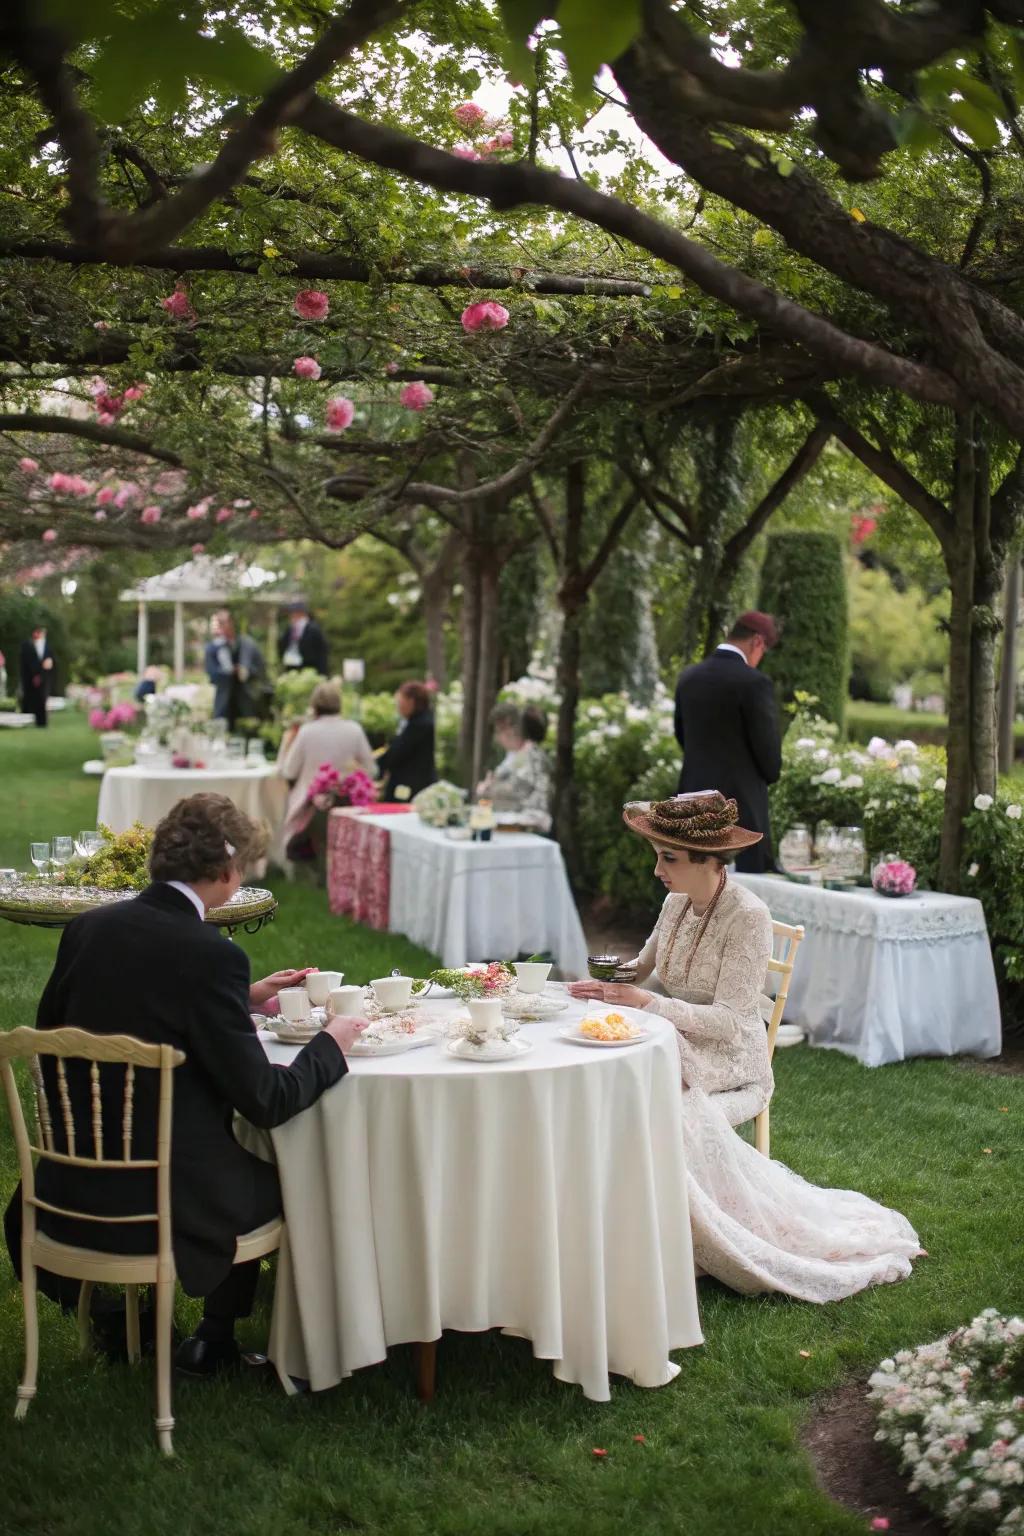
533, 724
325, 699
418, 695
201, 837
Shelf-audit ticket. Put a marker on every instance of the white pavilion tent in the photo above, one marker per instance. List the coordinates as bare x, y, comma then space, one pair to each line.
211, 581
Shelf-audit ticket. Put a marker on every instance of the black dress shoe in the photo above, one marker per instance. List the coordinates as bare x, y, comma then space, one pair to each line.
203, 1358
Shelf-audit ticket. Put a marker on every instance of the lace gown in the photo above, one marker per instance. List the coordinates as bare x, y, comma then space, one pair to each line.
757, 1226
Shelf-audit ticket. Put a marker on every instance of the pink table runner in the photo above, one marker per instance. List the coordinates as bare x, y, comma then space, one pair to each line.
359, 869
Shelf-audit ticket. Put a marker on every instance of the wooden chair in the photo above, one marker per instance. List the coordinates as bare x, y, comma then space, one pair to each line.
92, 1266
785, 943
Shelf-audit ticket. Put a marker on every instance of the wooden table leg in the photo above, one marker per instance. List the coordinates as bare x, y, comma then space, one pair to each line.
425, 1356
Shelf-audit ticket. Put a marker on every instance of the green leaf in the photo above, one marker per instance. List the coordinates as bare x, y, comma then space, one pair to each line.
915, 130
520, 18
980, 127
674, 292
969, 87
596, 32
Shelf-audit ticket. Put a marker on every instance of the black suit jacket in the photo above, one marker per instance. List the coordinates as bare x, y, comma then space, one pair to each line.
151, 968
312, 646
727, 723
409, 760
35, 682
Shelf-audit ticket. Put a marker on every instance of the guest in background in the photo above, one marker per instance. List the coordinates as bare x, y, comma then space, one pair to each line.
235, 667
36, 674
302, 644
327, 738
520, 786
148, 683
408, 763
727, 723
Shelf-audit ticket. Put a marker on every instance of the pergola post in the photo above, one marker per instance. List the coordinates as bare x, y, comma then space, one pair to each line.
179, 641
142, 639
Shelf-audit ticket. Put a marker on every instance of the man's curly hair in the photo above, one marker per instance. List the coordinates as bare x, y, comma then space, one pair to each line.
201, 837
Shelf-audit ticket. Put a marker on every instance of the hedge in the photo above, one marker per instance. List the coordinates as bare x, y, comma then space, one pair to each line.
803, 583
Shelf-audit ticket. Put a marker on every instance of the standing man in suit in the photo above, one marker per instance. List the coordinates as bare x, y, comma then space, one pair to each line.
302, 644
153, 968
235, 667
727, 723
36, 674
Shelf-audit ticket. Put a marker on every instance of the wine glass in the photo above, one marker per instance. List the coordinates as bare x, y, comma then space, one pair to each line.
39, 853
61, 850
88, 843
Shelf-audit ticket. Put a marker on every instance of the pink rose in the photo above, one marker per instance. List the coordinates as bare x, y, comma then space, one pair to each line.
104, 496
311, 304
79, 487
178, 305
49, 536
465, 152
150, 515
469, 115
339, 414
135, 391
27, 466
306, 368
486, 316
224, 515
193, 512
416, 396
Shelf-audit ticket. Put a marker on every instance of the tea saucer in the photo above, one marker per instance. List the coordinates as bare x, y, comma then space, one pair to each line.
533, 1005
491, 1050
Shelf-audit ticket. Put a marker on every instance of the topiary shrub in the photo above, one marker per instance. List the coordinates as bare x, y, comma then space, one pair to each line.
803, 583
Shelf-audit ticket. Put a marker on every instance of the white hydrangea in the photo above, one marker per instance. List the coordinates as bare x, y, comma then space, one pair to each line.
940, 785
831, 776
910, 773
852, 781
806, 744
983, 802
1014, 811
879, 747
822, 755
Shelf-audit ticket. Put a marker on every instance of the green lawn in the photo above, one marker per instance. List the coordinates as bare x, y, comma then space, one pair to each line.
505, 1449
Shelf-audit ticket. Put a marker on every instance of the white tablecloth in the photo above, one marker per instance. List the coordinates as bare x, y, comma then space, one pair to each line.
883, 979
545, 1196
483, 901
135, 794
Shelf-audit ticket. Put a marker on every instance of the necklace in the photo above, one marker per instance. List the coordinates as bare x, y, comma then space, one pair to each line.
701, 926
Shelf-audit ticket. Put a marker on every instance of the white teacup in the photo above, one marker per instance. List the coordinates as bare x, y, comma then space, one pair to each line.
486, 1015
392, 991
345, 1000
320, 984
294, 1002
532, 974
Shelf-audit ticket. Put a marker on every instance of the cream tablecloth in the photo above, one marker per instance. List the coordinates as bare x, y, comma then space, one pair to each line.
884, 979
545, 1196
135, 794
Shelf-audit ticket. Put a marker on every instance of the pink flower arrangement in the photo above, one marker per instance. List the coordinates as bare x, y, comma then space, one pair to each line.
896, 878
339, 413
112, 719
416, 396
311, 304
150, 515
178, 305
327, 788
469, 115
307, 368
485, 316
27, 466
49, 535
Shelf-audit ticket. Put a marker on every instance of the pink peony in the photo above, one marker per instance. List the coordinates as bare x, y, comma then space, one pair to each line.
59, 482
50, 536
311, 304
135, 391
390, 367
179, 305
105, 496
121, 714
123, 497
197, 511
416, 396
465, 152
197, 549
339, 414
224, 515
469, 115
100, 515
97, 719
306, 368
28, 466
150, 515
486, 316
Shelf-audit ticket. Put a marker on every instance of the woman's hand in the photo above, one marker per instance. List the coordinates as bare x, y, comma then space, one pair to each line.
611, 992
262, 991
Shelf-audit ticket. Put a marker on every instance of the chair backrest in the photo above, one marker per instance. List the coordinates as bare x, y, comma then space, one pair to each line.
24, 1044
785, 943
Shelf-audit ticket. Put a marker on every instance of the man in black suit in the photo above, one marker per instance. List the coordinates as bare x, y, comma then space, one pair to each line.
302, 644
727, 723
154, 969
36, 665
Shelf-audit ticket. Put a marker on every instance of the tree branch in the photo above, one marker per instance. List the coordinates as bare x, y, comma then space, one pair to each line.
803, 460
612, 535
71, 426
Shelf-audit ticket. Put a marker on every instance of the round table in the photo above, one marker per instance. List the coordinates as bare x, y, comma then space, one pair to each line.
128, 795
43, 904
545, 1196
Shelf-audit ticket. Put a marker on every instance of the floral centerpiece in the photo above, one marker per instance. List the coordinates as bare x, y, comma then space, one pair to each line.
472, 981
120, 864
894, 877
329, 788
953, 1413
440, 804
117, 717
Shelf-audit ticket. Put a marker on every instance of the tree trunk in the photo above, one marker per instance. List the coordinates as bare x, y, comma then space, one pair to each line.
568, 684
489, 570
960, 565
1008, 667
470, 660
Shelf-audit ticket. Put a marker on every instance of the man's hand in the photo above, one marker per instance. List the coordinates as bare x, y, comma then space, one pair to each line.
611, 992
345, 1029
262, 991
48, 664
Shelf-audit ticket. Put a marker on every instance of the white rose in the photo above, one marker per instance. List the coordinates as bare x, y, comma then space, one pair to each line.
983, 802
1014, 812
831, 776
940, 785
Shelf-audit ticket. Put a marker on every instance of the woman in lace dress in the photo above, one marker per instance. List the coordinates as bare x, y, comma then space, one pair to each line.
757, 1226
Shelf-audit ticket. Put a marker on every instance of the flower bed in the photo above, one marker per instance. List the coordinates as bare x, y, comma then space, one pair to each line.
953, 1413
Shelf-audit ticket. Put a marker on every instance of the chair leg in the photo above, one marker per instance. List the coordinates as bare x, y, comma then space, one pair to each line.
27, 1389
761, 1132
164, 1317
84, 1305
425, 1356
131, 1324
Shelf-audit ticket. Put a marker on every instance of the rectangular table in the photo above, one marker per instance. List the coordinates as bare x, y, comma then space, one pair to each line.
883, 979
462, 900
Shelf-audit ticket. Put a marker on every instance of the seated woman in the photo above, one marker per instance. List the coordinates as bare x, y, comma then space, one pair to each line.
520, 786
408, 763
756, 1225
327, 738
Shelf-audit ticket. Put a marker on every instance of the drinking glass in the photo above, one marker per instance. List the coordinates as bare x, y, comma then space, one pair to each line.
85, 844
8, 877
39, 853
61, 850
795, 848
236, 749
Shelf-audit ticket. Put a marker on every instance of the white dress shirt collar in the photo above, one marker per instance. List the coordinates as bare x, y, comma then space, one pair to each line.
725, 646
193, 896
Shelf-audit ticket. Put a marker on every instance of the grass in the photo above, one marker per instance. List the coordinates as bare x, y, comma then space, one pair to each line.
504, 1448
